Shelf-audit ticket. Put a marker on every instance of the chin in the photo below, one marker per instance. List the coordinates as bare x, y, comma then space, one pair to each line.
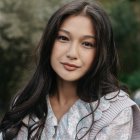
69, 79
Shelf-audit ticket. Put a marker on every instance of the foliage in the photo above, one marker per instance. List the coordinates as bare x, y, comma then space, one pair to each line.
13, 50
133, 80
126, 26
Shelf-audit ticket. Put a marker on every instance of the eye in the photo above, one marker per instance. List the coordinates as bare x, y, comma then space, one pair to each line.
88, 44
62, 38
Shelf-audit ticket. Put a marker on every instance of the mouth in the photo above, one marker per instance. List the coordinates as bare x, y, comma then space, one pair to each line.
70, 67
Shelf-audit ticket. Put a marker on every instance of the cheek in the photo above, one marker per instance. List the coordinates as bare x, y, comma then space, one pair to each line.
55, 52
55, 48
58, 53
88, 58
59, 49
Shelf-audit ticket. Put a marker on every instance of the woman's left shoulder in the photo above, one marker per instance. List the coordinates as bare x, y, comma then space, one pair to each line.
118, 100
112, 104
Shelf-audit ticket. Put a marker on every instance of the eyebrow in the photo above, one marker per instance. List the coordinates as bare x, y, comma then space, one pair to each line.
84, 36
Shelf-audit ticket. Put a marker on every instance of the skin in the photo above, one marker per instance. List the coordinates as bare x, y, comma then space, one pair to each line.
72, 55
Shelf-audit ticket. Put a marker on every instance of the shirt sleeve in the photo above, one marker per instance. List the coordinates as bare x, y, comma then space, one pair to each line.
120, 128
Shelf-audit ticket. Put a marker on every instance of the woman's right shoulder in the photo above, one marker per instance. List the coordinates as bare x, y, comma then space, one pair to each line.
27, 121
23, 132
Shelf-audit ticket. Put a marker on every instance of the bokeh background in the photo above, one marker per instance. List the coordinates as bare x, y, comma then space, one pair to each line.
22, 23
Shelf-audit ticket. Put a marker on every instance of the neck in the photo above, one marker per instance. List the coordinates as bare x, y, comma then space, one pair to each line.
66, 92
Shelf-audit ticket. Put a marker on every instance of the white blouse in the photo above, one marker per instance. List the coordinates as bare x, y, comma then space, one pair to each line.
120, 128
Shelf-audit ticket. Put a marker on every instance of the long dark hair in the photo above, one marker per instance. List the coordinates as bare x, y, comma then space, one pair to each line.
98, 81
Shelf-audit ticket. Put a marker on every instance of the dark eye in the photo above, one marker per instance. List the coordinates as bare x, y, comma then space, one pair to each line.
62, 38
88, 44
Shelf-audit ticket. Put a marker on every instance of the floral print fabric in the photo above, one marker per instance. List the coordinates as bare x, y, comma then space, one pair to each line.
105, 126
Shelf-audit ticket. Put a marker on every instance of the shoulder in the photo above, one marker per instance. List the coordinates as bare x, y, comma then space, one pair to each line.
116, 108
111, 104
27, 121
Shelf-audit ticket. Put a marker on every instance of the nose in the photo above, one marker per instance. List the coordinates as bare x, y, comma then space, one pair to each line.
72, 52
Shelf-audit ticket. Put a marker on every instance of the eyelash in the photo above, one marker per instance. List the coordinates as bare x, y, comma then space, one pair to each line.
65, 39
62, 38
88, 44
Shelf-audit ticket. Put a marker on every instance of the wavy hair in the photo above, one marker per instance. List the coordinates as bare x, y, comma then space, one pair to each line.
98, 81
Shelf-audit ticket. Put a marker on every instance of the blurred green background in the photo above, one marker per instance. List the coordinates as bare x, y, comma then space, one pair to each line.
21, 26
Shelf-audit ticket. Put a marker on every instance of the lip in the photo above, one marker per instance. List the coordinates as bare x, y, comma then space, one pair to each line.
69, 66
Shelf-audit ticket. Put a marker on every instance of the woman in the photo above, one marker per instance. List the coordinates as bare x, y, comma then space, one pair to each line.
74, 92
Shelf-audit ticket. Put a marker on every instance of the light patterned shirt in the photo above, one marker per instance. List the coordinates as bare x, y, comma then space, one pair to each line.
105, 127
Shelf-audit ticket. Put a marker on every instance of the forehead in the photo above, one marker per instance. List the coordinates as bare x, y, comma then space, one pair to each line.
79, 23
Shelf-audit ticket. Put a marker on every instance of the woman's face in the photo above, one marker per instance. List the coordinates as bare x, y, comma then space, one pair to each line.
74, 48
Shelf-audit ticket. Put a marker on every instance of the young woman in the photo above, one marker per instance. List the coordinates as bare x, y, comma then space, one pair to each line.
74, 93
